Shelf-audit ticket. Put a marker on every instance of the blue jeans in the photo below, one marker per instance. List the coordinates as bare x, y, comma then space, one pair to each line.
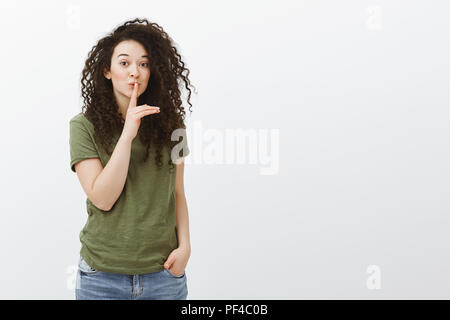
92, 284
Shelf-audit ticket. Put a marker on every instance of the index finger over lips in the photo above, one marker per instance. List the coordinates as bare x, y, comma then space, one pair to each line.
133, 99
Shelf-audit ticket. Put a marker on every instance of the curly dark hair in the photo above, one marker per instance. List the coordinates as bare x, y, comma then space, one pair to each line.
100, 106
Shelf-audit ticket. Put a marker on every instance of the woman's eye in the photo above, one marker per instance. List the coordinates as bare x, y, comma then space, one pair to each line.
146, 63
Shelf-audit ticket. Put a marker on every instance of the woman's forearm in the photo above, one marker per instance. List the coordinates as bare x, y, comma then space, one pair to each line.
182, 221
110, 182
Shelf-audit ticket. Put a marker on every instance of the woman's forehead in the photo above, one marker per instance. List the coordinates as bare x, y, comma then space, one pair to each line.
131, 49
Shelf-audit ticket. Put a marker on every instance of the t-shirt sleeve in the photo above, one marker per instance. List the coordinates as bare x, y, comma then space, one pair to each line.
181, 149
81, 144
185, 151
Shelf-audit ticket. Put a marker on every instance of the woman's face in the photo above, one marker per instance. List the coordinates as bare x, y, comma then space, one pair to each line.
129, 63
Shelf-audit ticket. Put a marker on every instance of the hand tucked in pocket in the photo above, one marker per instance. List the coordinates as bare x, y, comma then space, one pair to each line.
177, 260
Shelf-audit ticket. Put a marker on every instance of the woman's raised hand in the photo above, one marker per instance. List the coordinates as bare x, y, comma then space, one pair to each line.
135, 113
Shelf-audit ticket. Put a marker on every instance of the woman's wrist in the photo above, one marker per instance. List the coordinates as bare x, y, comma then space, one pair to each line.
185, 246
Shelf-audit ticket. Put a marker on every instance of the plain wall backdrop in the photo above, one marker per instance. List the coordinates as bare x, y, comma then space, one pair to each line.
355, 93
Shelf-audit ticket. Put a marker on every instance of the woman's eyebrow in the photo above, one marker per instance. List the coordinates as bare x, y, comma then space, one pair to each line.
124, 54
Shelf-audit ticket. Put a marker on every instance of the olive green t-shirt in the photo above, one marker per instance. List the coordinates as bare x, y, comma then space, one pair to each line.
137, 235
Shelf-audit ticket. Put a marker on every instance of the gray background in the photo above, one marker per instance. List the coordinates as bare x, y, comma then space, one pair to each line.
359, 91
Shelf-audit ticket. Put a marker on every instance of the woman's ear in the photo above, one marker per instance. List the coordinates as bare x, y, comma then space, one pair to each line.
107, 74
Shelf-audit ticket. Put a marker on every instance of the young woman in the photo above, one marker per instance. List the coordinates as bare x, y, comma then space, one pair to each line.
125, 149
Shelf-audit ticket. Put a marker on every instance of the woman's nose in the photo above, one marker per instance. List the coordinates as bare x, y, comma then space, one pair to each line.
134, 71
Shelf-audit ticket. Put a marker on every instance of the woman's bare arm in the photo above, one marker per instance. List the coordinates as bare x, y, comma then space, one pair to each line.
103, 186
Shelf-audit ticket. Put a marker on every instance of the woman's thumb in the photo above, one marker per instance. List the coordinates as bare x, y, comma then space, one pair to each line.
169, 261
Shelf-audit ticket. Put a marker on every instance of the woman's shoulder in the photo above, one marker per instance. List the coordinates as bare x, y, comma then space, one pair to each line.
81, 118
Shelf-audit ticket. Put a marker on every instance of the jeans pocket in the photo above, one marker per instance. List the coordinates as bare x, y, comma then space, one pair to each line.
172, 275
84, 267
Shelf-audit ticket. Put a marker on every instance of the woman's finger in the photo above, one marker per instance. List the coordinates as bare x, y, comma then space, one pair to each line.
146, 107
144, 113
133, 99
